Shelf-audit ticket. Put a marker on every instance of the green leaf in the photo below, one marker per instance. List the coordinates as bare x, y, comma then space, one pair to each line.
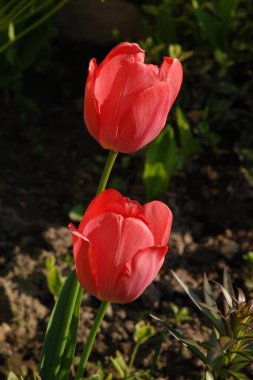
214, 318
161, 163
12, 376
227, 9
76, 213
11, 31
120, 365
69, 351
143, 331
188, 144
209, 376
208, 23
54, 278
58, 334
224, 343
238, 375
194, 347
228, 285
209, 298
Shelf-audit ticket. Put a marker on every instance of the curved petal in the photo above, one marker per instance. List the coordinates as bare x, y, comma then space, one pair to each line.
144, 119
91, 116
114, 241
108, 69
159, 219
111, 200
107, 201
172, 72
138, 273
126, 49
132, 78
84, 262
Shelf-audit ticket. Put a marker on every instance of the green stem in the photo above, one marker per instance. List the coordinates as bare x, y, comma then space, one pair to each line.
107, 170
104, 305
136, 348
92, 335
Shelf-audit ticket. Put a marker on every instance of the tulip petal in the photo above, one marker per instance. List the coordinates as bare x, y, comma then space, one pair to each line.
172, 72
114, 241
132, 78
111, 200
138, 273
91, 117
145, 118
108, 201
159, 220
84, 262
104, 233
108, 69
125, 49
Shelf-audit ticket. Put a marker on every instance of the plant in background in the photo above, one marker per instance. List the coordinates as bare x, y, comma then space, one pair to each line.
124, 370
55, 280
229, 349
18, 18
24, 32
248, 257
181, 314
167, 154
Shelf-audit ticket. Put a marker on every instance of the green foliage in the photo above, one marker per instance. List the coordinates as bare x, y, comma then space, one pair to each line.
54, 278
25, 31
249, 258
12, 376
230, 346
165, 156
143, 332
181, 314
33, 376
76, 213
60, 339
19, 18
214, 40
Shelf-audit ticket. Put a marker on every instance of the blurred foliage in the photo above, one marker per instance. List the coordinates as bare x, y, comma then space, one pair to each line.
18, 18
248, 257
181, 314
55, 280
143, 333
214, 41
25, 31
172, 149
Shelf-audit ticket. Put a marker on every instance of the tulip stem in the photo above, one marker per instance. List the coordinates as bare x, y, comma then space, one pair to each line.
92, 335
107, 170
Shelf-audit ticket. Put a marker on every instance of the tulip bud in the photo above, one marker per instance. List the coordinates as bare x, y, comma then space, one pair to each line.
120, 246
127, 101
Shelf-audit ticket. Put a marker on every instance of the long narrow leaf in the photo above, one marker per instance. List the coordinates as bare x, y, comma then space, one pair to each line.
214, 318
69, 351
57, 334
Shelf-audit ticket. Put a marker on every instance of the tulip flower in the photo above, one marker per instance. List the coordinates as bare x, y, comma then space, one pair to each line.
120, 246
127, 101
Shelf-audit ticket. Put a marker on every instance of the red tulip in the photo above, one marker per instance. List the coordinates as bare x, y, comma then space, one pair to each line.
120, 246
127, 101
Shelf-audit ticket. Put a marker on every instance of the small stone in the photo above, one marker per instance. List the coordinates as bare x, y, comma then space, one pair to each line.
228, 248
